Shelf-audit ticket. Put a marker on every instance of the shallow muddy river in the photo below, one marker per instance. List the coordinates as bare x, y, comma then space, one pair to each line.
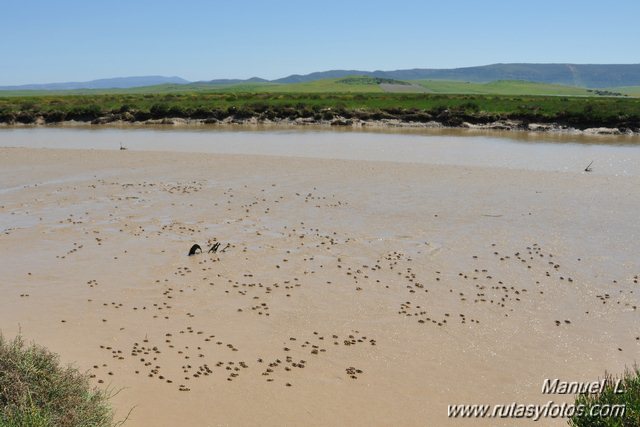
350, 292
612, 155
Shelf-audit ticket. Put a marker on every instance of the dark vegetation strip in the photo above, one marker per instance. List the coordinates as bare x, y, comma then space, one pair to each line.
450, 110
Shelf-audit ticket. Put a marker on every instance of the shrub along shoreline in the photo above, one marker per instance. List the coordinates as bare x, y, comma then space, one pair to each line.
617, 405
36, 390
533, 113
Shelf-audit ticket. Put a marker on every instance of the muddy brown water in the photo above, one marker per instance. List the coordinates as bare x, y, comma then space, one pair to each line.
526, 264
611, 155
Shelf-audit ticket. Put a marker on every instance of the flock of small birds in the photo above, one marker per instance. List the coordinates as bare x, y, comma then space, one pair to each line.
272, 263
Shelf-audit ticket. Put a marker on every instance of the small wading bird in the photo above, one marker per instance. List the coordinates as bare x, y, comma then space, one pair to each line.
196, 248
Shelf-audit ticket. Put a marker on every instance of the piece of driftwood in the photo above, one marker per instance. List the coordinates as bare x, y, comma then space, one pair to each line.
588, 168
214, 248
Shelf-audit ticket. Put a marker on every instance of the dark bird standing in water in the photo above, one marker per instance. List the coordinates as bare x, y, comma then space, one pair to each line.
194, 249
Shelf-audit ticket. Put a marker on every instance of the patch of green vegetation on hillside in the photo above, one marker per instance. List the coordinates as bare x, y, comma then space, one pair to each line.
322, 86
366, 80
629, 90
360, 84
502, 87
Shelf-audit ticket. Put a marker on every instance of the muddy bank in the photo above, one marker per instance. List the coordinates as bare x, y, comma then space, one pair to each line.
354, 119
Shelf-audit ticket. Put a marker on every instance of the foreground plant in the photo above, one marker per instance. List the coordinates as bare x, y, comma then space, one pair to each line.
35, 390
623, 391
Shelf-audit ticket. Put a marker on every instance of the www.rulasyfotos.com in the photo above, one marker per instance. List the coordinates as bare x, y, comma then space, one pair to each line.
550, 409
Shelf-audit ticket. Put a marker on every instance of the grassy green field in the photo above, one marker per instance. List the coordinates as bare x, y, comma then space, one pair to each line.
352, 84
629, 90
503, 87
318, 86
365, 101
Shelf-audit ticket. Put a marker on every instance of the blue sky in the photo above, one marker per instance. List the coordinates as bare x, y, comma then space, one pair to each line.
72, 40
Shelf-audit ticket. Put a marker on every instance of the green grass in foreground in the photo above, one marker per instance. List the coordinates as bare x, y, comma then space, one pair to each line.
630, 383
35, 391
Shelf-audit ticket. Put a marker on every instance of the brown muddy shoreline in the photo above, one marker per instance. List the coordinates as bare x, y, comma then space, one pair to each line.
336, 123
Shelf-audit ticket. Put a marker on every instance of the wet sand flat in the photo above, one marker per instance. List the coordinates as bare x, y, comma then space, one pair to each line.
351, 293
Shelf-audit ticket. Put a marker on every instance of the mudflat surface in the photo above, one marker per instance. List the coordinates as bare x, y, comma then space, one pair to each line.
352, 292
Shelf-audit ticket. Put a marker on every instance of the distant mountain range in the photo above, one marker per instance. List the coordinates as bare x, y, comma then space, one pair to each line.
581, 75
114, 83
